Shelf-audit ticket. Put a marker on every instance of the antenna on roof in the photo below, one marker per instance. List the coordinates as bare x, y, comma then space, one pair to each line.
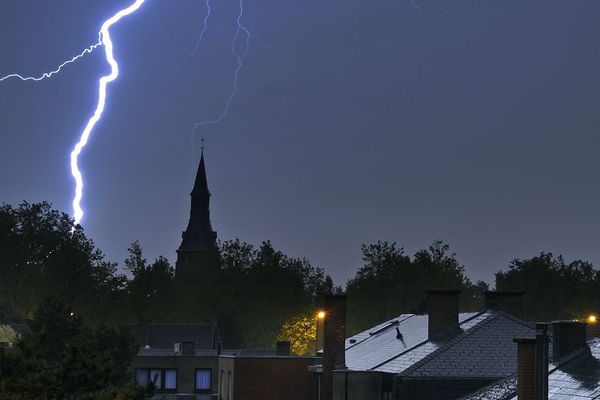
400, 337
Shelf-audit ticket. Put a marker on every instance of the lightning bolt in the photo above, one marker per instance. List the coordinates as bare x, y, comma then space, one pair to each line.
199, 41
45, 75
102, 85
103, 40
239, 56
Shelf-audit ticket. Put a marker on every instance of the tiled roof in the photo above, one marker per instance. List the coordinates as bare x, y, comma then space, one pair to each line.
484, 349
577, 379
20, 329
372, 348
163, 336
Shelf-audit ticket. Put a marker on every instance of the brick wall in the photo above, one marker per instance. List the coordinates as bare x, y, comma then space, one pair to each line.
334, 353
273, 378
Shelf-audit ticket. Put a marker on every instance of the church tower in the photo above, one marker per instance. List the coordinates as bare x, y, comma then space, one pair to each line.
199, 241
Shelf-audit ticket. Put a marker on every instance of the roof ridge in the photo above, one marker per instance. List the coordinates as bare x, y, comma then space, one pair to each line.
513, 317
450, 344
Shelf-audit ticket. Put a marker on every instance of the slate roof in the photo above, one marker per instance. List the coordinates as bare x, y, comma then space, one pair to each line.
578, 378
484, 349
163, 336
20, 329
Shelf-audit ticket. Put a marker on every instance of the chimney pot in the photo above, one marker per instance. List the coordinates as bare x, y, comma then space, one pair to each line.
282, 348
442, 310
188, 348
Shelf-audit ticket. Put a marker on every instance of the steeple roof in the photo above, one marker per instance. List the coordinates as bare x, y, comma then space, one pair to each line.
201, 185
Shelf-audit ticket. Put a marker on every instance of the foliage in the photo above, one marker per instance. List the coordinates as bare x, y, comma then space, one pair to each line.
43, 253
63, 358
391, 282
7, 334
301, 332
265, 288
553, 289
150, 287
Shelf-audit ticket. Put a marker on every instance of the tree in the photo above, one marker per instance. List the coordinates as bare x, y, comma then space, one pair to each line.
253, 292
301, 332
390, 282
553, 289
43, 253
151, 287
64, 358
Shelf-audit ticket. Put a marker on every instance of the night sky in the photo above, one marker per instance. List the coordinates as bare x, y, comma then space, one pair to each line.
355, 121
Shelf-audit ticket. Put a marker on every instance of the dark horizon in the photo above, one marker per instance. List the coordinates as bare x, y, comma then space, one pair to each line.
352, 124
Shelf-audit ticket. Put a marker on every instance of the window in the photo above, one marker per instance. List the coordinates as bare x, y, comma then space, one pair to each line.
163, 379
155, 376
141, 377
170, 379
203, 379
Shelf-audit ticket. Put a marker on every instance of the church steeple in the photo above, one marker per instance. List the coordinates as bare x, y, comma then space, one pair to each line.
200, 184
198, 240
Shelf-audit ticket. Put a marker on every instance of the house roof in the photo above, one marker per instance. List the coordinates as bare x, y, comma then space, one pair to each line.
163, 336
20, 329
484, 349
577, 378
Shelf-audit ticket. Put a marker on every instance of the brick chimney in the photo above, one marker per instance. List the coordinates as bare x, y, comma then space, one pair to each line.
532, 365
188, 348
526, 376
567, 337
282, 348
334, 353
509, 302
442, 308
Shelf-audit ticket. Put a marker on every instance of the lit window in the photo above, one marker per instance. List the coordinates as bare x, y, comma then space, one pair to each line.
155, 375
203, 379
141, 377
170, 379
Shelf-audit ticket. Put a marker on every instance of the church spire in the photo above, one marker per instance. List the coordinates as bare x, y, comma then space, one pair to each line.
199, 239
200, 184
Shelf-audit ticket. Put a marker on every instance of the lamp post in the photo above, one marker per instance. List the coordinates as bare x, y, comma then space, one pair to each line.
320, 320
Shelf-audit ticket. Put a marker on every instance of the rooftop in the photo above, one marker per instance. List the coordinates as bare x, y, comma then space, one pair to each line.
577, 378
483, 349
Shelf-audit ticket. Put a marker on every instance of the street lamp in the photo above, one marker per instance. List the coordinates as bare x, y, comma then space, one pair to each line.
320, 319
592, 319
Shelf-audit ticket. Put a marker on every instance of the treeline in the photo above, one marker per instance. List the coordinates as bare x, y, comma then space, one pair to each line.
252, 293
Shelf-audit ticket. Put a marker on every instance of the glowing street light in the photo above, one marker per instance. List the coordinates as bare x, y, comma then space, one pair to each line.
321, 314
592, 319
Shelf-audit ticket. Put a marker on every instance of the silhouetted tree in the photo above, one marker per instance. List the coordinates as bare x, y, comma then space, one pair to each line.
63, 358
150, 290
43, 253
553, 289
391, 283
